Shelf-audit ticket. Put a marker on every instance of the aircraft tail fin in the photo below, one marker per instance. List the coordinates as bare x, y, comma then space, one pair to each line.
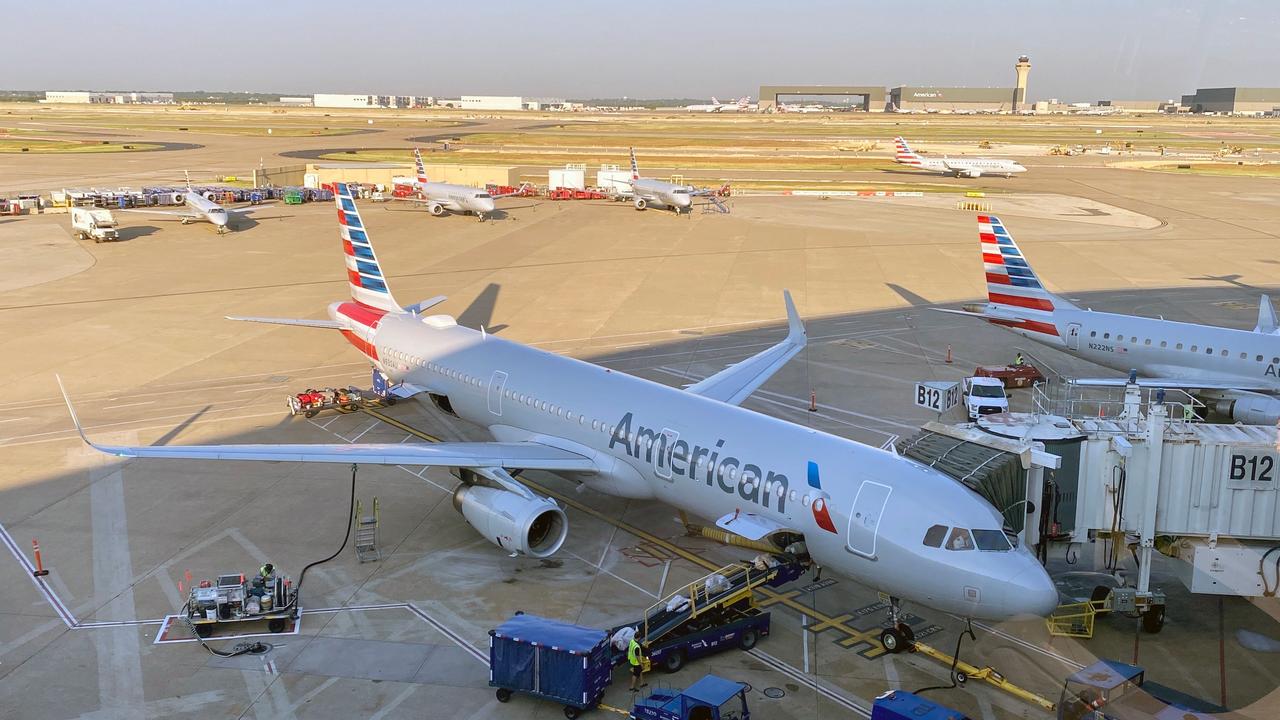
1013, 288
905, 155
187, 175
714, 101
635, 167
365, 279
1266, 317
419, 166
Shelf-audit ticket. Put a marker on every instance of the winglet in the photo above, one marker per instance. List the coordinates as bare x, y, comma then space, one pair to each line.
74, 419
1266, 316
795, 328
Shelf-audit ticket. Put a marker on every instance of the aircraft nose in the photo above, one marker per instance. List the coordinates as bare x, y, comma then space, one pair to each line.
487, 206
1031, 592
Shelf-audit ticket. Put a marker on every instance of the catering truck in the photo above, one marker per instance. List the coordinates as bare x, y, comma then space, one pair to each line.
96, 223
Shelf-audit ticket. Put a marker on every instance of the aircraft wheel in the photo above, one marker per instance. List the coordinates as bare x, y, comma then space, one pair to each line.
749, 639
673, 661
503, 695
907, 633
892, 641
1153, 619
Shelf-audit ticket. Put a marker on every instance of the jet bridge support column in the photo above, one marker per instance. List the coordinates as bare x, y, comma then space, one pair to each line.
1156, 417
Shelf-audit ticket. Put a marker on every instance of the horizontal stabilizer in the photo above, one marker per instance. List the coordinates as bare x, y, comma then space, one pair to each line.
987, 313
327, 324
426, 304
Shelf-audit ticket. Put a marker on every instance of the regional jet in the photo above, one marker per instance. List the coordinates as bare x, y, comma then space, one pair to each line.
743, 104
1236, 372
448, 197
863, 512
199, 208
646, 192
957, 167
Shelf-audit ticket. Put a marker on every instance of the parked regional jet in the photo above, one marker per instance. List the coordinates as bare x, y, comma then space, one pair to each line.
645, 192
441, 197
958, 167
863, 512
199, 208
1236, 372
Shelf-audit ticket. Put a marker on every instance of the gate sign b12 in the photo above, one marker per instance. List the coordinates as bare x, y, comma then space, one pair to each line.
938, 396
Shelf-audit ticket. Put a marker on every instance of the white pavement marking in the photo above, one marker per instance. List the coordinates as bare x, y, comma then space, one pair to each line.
15, 419
119, 652
372, 425
144, 402
610, 573
393, 703
812, 683
164, 707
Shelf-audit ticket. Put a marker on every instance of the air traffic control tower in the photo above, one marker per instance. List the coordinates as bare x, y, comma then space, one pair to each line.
1023, 68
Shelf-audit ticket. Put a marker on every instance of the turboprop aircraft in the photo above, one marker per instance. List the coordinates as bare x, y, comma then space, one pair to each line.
1237, 372
864, 513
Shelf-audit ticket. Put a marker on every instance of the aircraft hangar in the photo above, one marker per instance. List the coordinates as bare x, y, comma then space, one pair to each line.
873, 96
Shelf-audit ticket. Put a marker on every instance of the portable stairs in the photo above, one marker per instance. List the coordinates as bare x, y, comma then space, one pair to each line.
367, 533
715, 205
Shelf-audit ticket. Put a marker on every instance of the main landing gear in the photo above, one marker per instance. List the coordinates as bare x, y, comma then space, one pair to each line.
898, 636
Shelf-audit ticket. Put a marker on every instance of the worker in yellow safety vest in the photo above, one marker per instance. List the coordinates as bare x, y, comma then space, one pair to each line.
1018, 361
635, 657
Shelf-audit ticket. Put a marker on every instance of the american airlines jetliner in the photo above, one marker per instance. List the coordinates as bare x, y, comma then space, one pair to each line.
958, 167
447, 197
1237, 372
865, 513
660, 193
199, 208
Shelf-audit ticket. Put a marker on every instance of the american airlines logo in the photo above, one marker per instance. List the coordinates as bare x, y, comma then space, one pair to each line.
669, 455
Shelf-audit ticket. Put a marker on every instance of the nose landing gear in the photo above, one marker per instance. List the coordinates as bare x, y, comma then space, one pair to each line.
898, 636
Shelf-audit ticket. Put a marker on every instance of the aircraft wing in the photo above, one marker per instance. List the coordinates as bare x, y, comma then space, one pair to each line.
735, 383
172, 213
248, 209
513, 193
506, 455
1176, 384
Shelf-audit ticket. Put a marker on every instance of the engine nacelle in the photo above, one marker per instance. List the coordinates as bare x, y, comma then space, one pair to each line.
534, 527
1250, 409
971, 173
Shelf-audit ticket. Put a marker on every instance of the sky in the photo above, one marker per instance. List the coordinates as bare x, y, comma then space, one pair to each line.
1081, 50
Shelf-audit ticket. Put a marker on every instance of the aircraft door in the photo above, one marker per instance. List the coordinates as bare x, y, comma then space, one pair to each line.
662, 459
864, 517
497, 384
1073, 336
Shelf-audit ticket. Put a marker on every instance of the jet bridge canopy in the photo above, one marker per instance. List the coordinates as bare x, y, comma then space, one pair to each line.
994, 474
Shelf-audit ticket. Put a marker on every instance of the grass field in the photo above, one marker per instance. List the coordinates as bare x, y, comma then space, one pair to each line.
22, 145
1271, 170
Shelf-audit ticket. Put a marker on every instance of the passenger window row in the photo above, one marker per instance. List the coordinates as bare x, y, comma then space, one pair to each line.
964, 539
1178, 346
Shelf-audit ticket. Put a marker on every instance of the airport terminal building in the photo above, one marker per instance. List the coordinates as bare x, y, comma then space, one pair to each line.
913, 98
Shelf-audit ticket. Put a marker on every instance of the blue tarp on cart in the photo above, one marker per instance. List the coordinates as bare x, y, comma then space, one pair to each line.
551, 659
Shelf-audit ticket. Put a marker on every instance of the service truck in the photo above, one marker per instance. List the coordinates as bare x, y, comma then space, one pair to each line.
95, 223
984, 396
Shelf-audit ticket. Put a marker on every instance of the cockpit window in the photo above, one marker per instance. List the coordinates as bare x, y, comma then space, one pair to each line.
483, 195
991, 540
960, 540
934, 536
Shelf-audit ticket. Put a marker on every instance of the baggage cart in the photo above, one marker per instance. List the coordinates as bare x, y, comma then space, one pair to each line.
551, 660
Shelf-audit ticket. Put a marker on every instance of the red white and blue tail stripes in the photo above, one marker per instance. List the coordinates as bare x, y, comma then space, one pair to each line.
1012, 286
364, 275
421, 168
635, 166
904, 154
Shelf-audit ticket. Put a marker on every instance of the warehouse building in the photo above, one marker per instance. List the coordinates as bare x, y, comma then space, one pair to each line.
1249, 101
1139, 106
81, 97
509, 102
341, 100
951, 99
383, 173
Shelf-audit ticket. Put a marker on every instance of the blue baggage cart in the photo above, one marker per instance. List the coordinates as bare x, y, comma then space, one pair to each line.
552, 660
902, 705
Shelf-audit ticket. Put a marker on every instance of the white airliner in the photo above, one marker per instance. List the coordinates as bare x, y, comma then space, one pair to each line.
199, 208
646, 192
1237, 372
865, 513
958, 167
447, 197
744, 103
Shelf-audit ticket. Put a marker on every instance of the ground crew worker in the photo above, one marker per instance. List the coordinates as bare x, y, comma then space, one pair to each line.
1017, 360
635, 657
266, 571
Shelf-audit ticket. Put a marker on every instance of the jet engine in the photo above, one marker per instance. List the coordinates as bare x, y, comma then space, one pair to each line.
641, 203
530, 526
973, 173
436, 209
1250, 408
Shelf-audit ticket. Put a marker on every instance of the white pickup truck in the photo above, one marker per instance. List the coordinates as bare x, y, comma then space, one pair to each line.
95, 223
984, 396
